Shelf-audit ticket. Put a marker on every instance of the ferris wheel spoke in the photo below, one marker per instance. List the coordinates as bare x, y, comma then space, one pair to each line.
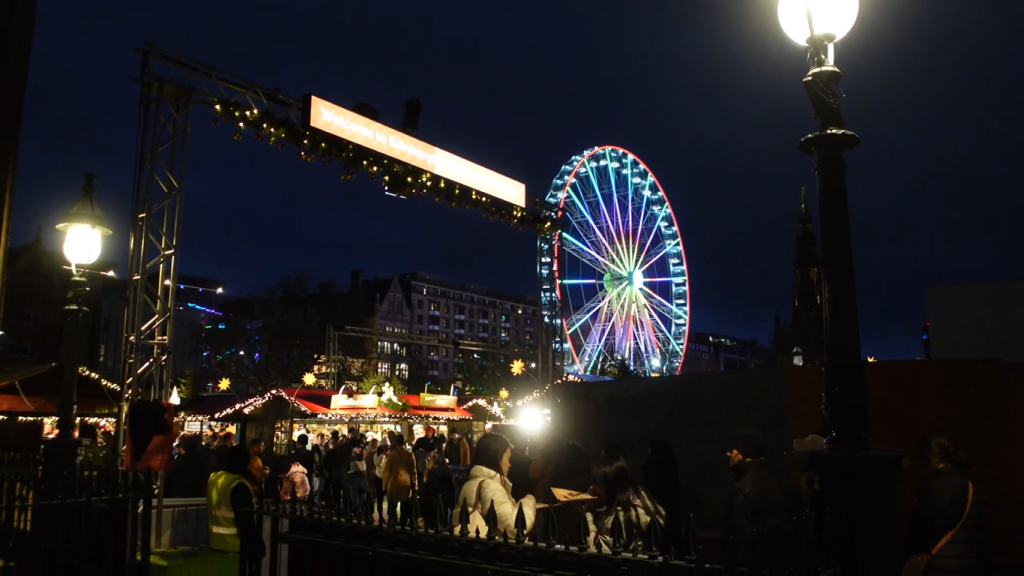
666, 308
582, 211
587, 238
629, 210
604, 210
587, 310
593, 259
646, 331
654, 232
639, 228
654, 322
663, 251
624, 244
593, 345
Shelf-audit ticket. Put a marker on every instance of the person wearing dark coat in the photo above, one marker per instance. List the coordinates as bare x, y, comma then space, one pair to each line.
756, 507
186, 476
661, 478
302, 455
940, 508
559, 464
438, 484
337, 464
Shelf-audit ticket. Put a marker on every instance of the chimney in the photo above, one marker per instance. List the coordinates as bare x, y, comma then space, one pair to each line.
355, 281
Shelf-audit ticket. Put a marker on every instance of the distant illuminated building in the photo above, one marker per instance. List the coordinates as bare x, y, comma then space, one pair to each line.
716, 353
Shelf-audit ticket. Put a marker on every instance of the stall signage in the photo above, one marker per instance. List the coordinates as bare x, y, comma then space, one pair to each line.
438, 401
339, 401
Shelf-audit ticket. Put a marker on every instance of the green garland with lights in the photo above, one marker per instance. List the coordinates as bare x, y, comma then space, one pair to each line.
402, 405
399, 178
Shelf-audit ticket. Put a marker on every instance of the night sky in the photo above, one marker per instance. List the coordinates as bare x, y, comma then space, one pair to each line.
706, 92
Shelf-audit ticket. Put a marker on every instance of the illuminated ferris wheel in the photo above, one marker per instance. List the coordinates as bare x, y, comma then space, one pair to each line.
614, 284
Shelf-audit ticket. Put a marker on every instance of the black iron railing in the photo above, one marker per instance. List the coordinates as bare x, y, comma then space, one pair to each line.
84, 530
307, 538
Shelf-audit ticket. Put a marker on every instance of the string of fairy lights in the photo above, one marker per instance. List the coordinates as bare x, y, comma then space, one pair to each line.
494, 406
397, 177
99, 379
95, 421
247, 406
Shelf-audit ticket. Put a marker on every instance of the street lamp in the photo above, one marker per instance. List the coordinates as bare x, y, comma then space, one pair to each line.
858, 488
84, 227
818, 24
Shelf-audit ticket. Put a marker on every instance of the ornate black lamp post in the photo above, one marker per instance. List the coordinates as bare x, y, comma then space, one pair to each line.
858, 497
819, 23
84, 227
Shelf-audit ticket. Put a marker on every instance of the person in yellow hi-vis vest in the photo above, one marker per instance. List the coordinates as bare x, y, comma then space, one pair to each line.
230, 502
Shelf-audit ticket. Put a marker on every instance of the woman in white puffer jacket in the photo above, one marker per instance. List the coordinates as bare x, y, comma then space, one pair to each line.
487, 483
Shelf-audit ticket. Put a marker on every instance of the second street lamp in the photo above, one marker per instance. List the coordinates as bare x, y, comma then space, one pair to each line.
819, 24
84, 227
858, 488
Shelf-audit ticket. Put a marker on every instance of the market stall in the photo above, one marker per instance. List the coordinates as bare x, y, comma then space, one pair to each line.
312, 411
374, 415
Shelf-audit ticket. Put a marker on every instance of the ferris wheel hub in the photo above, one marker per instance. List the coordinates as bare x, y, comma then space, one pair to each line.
637, 279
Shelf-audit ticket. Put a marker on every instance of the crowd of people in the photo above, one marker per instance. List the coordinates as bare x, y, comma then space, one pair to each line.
377, 480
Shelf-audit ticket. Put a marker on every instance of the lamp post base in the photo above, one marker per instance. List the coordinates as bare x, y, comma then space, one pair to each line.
857, 504
60, 467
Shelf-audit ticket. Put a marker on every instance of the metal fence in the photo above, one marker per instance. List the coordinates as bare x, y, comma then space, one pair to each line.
107, 526
305, 538
86, 531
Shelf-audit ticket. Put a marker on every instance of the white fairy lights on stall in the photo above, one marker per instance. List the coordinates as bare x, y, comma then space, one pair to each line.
247, 406
105, 383
496, 409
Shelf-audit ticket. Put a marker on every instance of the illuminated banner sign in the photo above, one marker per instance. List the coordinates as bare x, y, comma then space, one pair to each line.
436, 401
344, 123
339, 401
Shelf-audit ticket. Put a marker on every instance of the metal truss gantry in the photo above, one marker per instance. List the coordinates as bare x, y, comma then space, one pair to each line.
172, 85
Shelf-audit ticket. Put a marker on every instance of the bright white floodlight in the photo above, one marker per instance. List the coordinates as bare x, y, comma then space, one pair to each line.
832, 19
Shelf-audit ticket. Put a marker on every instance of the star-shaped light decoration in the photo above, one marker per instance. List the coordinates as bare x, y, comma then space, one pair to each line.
224, 384
309, 379
503, 394
872, 359
518, 367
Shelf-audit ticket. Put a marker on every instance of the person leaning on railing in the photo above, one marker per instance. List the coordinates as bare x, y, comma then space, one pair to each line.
488, 483
230, 504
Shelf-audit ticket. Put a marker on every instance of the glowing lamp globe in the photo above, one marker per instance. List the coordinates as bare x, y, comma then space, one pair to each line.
82, 244
84, 228
832, 19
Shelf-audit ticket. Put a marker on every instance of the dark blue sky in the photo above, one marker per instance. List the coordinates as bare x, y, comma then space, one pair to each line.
706, 92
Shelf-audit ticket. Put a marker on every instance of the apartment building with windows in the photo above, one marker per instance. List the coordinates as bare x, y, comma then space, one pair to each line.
443, 329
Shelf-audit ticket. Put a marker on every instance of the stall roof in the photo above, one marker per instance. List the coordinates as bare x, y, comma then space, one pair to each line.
313, 402
318, 401
35, 391
18, 374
